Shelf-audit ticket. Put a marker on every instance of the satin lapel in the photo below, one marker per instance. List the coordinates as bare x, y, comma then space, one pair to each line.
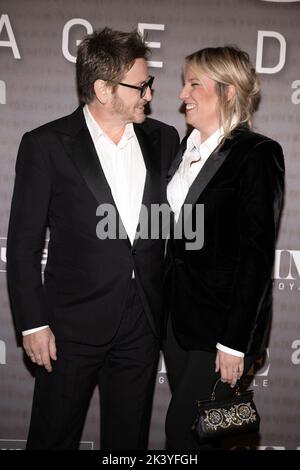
82, 152
177, 160
150, 147
84, 156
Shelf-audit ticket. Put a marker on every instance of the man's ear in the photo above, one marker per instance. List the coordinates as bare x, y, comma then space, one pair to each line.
231, 92
101, 90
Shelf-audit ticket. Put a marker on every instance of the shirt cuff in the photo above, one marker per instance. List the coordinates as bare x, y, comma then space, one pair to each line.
34, 330
227, 350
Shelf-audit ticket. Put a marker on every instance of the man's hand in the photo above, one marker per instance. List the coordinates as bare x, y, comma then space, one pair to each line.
40, 347
231, 367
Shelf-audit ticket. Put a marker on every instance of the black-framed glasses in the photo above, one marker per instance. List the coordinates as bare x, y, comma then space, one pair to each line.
143, 87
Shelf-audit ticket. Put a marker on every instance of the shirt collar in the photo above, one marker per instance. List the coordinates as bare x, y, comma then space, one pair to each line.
210, 144
96, 131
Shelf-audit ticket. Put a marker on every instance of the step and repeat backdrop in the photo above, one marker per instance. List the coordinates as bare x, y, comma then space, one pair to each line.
38, 42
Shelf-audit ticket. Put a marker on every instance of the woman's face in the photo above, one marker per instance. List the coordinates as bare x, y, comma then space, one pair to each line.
201, 103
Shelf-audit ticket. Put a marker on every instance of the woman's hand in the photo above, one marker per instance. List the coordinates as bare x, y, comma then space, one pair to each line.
231, 367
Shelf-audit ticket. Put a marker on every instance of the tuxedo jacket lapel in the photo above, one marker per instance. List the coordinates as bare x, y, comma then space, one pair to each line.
81, 150
85, 158
207, 172
149, 147
211, 166
177, 160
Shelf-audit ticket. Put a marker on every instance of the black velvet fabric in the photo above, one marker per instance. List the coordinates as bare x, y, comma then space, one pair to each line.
223, 291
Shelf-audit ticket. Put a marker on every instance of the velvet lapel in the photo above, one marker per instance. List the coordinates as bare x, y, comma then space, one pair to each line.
212, 165
207, 172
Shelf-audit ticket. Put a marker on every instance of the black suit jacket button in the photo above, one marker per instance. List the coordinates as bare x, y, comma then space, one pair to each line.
133, 251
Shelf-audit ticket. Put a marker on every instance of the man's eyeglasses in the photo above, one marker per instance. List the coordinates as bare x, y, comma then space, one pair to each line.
142, 88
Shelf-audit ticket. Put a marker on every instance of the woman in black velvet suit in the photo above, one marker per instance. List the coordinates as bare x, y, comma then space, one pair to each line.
221, 294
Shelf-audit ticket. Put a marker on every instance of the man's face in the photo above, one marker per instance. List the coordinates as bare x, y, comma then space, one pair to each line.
127, 104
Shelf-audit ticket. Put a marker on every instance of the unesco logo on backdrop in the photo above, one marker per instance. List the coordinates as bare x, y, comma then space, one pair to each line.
286, 272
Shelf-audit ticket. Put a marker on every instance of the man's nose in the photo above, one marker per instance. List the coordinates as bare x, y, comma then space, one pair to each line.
148, 94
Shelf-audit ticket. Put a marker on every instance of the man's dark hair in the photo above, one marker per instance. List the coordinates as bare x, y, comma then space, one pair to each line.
106, 55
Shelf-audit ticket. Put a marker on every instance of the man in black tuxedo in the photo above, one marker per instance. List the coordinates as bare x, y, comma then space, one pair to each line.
96, 317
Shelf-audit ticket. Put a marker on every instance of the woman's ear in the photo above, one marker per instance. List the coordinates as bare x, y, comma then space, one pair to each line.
231, 91
100, 89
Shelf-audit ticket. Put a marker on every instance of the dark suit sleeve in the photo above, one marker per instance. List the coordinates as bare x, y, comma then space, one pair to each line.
26, 235
261, 197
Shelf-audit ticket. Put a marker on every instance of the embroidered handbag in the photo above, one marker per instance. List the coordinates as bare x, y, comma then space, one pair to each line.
217, 419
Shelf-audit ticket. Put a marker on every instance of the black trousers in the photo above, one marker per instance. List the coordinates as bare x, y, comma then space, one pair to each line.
125, 369
191, 376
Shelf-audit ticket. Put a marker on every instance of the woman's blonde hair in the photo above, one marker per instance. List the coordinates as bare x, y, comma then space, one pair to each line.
229, 66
